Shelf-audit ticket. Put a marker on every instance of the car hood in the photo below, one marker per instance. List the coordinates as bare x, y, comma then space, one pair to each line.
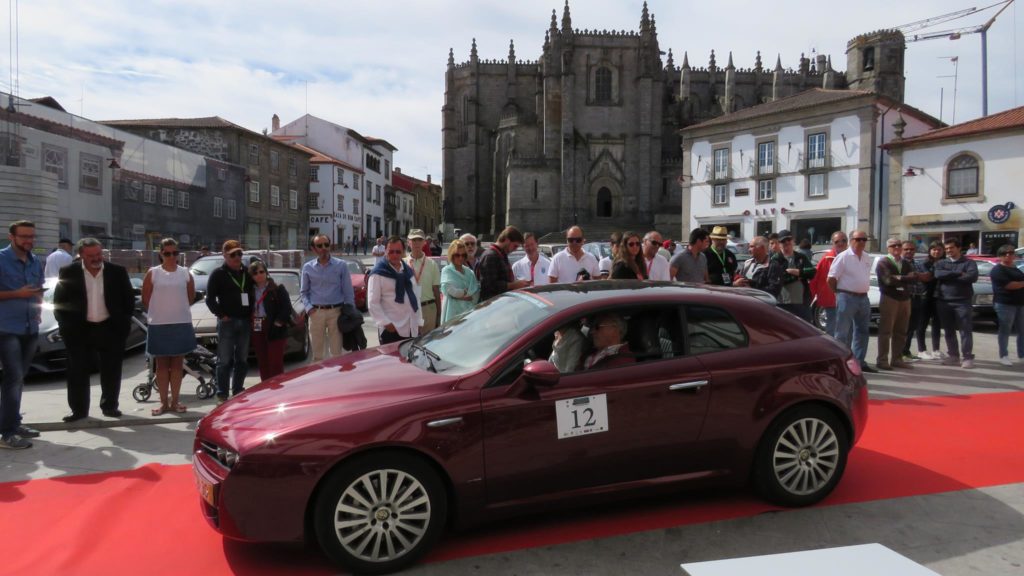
341, 387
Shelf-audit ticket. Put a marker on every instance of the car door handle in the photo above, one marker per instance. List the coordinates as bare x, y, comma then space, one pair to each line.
444, 422
694, 386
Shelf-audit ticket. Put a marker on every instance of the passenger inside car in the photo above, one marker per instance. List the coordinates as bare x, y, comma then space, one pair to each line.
608, 332
568, 349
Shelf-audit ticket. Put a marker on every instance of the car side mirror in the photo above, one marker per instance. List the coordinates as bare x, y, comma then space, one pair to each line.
541, 373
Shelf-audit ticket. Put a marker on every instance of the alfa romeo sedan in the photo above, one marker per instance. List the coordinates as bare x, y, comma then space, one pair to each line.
510, 409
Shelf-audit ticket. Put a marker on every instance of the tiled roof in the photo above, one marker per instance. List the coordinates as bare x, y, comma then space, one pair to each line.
1008, 120
805, 99
318, 157
207, 122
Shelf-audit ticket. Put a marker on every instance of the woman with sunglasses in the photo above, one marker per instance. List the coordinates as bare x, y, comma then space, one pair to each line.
271, 316
629, 261
458, 283
167, 294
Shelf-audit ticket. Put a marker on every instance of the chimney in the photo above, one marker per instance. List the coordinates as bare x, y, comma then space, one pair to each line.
428, 178
396, 170
275, 123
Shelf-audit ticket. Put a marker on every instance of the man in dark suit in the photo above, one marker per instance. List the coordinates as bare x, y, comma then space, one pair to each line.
93, 303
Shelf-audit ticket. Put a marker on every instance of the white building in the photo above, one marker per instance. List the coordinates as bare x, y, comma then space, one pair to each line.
961, 181
405, 204
335, 202
808, 163
372, 156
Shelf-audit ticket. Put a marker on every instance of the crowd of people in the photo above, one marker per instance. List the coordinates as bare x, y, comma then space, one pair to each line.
409, 294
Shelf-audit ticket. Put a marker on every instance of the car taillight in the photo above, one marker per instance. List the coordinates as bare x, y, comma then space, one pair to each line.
853, 366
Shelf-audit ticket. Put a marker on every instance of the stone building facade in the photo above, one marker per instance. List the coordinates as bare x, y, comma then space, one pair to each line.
588, 133
276, 180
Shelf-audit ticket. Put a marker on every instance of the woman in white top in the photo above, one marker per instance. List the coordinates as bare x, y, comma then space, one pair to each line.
458, 283
167, 294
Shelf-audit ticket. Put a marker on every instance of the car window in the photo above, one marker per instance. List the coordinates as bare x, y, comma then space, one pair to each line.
289, 280
204, 266
710, 329
354, 267
470, 341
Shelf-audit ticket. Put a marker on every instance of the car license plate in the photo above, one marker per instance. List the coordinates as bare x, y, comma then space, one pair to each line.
206, 490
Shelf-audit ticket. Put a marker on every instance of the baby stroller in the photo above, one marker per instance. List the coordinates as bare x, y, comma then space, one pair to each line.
200, 363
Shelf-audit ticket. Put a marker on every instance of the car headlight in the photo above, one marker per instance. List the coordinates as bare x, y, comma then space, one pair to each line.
54, 337
983, 300
227, 457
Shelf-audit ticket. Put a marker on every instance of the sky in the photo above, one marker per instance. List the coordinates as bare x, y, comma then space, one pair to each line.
378, 67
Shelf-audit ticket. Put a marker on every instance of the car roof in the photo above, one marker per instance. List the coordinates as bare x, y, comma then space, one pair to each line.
597, 291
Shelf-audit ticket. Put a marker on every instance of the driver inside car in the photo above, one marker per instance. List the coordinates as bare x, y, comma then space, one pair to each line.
608, 334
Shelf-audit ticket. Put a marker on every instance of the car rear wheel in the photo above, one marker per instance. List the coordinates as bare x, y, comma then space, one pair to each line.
801, 457
380, 513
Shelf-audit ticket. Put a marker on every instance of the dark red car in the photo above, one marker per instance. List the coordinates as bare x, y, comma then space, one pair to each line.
373, 453
357, 272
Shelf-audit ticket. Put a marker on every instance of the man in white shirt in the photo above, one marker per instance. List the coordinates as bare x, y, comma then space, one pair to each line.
850, 277
568, 265
657, 265
534, 268
428, 278
58, 259
392, 295
379, 251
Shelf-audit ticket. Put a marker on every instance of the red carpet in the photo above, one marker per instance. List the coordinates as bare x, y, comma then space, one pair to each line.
147, 520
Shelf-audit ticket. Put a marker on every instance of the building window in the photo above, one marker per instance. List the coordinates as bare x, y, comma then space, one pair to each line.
721, 196
816, 186
355, 206
766, 158
183, 199
314, 173
962, 177
90, 176
869, 58
293, 199
721, 164
293, 169
254, 192
387, 170
232, 214
275, 160
340, 174
816, 150
222, 174
369, 191
149, 193
55, 161
377, 200
131, 191
341, 202
218, 207
275, 195
373, 162
603, 85
313, 200
167, 197
355, 181
766, 190
254, 154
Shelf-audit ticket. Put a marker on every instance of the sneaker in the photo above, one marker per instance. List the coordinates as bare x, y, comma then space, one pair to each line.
910, 358
950, 361
1005, 361
14, 442
26, 432
967, 363
925, 355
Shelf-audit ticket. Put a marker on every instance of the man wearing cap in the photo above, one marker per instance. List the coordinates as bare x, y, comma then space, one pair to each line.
795, 294
325, 287
229, 296
59, 258
850, 277
721, 261
428, 278
668, 249
895, 275
691, 265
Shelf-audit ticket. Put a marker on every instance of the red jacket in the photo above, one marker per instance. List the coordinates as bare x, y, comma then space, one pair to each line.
824, 295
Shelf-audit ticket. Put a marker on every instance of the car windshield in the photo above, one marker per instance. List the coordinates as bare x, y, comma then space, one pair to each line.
289, 280
354, 267
468, 342
204, 266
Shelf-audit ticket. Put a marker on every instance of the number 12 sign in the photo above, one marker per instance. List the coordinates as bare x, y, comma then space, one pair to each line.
581, 416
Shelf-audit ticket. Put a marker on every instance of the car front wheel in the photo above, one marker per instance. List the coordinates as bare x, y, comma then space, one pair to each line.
380, 513
801, 457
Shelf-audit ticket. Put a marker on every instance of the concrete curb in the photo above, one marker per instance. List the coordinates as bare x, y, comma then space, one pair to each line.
92, 422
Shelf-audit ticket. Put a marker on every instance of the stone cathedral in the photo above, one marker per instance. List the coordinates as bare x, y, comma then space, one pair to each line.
588, 133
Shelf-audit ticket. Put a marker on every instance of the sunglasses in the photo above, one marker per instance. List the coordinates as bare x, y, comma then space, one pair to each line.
459, 255
574, 240
859, 239
322, 245
470, 243
175, 253
632, 244
396, 251
235, 255
840, 242
259, 272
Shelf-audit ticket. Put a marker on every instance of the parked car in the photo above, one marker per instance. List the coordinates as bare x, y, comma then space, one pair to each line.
298, 336
550, 250
373, 453
357, 271
202, 267
598, 249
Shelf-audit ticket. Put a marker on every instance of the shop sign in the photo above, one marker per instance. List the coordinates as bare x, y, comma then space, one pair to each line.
319, 219
1000, 213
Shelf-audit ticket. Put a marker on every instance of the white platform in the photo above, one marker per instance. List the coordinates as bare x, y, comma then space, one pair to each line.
873, 559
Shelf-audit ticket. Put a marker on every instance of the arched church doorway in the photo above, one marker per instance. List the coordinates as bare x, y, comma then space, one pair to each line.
604, 203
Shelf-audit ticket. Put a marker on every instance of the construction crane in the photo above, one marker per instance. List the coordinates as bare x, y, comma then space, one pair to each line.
955, 34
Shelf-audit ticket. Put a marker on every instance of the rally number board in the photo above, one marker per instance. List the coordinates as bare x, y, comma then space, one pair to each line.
581, 416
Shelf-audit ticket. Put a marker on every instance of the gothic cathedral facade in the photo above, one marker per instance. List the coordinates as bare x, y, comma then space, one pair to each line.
588, 134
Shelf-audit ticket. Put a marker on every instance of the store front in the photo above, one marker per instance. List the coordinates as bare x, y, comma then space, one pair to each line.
818, 230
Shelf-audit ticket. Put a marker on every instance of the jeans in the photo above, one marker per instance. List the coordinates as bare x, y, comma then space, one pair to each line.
1010, 316
16, 351
830, 321
852, 323
929, 312
232, 355
958, 316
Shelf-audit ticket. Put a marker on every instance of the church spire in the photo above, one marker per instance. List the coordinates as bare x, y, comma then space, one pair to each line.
511, 51
757, 61
778, 63
566, 19
711, 63
554, 20
451, 58
730, 66
654, 26
645, 19
686, 61
472, 51
671, 63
